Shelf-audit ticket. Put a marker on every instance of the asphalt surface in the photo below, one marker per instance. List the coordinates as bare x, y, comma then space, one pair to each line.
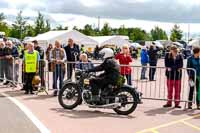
13, 120
149, 117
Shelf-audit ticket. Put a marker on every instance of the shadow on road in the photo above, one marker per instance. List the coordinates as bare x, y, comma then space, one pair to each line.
157, 111
87, 114
171, 111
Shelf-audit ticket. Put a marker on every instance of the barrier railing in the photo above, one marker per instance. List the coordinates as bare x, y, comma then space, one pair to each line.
154, 89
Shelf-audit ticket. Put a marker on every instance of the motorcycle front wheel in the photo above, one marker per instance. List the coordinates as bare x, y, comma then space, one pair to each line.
128, 100
69, 96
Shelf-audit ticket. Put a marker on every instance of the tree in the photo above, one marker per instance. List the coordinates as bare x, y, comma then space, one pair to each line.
158, 34
19, 27
176, 33
88, 30
106, 30
30, 31
122, 30
137, 34
60, 27
40, 24
48, 26
3, 26
2, 17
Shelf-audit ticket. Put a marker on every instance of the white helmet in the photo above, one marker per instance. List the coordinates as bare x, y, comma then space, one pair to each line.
107, 52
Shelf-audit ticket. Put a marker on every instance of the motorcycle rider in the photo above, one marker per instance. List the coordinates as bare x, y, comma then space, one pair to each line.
110, 76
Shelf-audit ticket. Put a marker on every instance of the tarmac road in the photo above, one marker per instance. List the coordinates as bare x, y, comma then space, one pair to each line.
13, 120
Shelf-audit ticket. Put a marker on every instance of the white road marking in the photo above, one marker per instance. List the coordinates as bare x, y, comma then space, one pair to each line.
29, 114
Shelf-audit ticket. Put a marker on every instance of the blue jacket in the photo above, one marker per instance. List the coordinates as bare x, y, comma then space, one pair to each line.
144, 57
84, 66
195, 64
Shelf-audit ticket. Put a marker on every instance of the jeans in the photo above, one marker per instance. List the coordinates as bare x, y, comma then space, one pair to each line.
2, 69
143, 72
9, 70
58, 73
173, 85
128, 78
70, 68
191, 93
152, 71
16, 74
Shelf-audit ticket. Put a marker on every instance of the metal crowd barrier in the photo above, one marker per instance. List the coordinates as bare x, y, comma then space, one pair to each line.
153, 90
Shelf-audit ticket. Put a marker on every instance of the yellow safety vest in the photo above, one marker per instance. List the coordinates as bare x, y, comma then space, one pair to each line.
30, 61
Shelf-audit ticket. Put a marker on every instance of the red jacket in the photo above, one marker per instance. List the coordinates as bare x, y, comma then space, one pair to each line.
124, 60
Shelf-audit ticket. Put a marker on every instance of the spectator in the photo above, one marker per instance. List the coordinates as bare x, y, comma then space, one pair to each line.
2, 61
144, 61
82, 48
31, 60
21, 57
48, 51
173, 64
11, 54
72, 51
41, 62
96, 52
57, 58
125, 59
194, 63
84, 63
153, 59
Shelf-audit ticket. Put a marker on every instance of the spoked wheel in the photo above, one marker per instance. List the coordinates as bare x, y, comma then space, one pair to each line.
128, 101
69, 96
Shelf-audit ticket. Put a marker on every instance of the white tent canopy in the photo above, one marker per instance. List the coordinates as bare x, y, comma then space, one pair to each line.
112, 40
117, 41
63, 35
158, 44
178, 44
195, 42
136, 45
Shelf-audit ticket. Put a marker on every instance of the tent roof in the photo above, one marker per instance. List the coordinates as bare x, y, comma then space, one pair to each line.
195, 42
63, 36
48, 35
117, 40
101, 39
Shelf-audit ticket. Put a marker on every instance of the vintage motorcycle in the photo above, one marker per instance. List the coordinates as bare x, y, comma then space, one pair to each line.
123, 99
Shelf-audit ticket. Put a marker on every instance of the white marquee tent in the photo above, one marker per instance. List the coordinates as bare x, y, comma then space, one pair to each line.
63, 36
112, 40
195, 42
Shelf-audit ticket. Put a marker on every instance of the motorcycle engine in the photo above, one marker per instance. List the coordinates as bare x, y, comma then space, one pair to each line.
87, 95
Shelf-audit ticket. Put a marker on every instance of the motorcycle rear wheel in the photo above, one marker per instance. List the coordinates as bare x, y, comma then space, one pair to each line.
123, 93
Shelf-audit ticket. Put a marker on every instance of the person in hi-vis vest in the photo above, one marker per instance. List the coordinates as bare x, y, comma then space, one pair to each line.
31, 59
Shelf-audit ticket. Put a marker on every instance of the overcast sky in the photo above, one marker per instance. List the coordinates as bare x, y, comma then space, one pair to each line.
132, 13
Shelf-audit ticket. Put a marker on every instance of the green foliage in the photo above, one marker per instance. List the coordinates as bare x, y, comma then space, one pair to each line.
2, 17
18, 29
39, 24
106, 30
60, 27
122, 30
88, 30
137, 34
176, 33
158, 34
